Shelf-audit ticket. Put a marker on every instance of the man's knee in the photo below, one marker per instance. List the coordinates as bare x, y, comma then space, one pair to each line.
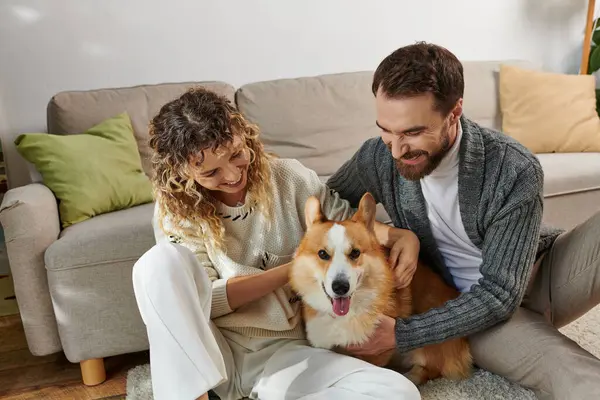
578, 249
594, 231
596, 217
591, 226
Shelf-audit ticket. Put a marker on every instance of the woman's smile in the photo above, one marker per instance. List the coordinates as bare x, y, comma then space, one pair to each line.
237, 185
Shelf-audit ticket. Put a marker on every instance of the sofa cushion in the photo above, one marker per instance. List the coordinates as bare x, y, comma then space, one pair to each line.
73, 112
92, 173
550, 112
566, 173
480, 100
118, 236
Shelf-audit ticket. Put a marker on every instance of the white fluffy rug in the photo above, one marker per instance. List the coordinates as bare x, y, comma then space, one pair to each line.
481, 386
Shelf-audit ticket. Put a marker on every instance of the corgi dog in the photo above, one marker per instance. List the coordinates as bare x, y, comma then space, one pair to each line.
345, 283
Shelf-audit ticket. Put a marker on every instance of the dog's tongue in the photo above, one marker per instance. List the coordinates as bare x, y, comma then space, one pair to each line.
341, 305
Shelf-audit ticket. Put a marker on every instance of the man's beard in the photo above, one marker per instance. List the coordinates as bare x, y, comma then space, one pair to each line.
426, 167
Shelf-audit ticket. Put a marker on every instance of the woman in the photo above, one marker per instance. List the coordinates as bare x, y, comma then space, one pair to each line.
213, 292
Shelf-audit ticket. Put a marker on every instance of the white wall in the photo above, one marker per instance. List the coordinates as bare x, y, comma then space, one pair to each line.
50, 46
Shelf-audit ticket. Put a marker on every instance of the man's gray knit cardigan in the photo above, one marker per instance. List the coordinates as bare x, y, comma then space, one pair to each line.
500, 186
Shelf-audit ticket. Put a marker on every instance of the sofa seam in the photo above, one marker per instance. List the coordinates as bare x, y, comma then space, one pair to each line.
568, 192
90, 265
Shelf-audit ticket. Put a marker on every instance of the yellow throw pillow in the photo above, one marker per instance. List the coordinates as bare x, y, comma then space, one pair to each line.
549, 112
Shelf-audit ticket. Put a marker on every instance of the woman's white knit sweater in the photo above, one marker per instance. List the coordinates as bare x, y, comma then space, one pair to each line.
253, 245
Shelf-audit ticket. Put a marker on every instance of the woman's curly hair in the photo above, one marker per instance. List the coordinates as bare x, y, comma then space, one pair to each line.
201, 120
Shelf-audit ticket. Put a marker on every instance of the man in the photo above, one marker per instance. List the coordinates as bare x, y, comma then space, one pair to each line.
474, 198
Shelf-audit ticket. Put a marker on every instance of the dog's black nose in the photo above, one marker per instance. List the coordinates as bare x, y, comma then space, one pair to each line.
340, 286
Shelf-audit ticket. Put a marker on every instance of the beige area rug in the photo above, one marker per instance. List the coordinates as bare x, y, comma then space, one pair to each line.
8, 304
481, 386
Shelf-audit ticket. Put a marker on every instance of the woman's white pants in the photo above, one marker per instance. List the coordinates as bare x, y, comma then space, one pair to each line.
189, 355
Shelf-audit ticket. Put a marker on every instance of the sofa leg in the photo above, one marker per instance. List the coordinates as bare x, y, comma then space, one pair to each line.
92, 371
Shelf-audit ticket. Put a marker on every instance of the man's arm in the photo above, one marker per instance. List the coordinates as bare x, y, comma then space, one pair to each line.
357, 176
508, 254
347, 184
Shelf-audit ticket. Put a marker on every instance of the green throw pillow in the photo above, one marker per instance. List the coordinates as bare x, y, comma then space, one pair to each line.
92, 173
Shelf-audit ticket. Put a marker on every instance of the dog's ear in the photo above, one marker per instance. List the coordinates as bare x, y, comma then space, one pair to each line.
312, 211
366, 211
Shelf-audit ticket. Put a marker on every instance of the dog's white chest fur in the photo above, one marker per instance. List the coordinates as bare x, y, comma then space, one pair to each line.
327, 331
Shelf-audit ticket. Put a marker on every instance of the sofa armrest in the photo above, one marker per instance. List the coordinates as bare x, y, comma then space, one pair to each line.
29, 217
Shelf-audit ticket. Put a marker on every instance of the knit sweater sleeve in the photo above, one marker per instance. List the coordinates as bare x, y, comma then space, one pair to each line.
220, 304
358, 175
508, 254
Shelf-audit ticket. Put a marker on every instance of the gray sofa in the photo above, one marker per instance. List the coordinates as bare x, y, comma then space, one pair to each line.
73, 286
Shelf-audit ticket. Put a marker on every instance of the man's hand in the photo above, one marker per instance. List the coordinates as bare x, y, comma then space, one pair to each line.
404, 257
383, 339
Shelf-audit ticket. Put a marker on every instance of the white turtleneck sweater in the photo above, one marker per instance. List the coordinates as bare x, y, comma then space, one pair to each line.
440, 190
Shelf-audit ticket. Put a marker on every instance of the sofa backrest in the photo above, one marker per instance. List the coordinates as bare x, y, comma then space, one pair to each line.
481, 101
73, 112
320, 120
323, 120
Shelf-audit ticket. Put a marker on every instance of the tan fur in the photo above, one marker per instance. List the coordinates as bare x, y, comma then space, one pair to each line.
375, 295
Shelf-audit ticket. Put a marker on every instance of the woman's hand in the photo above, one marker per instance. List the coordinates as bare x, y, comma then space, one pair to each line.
404, 256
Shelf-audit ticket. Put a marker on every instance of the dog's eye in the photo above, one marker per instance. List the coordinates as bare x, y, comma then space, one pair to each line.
354, 254
323, 255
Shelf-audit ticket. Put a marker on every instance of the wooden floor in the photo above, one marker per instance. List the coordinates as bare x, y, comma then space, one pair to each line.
24, 376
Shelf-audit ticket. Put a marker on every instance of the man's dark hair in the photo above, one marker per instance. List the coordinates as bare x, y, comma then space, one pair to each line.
420, 68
